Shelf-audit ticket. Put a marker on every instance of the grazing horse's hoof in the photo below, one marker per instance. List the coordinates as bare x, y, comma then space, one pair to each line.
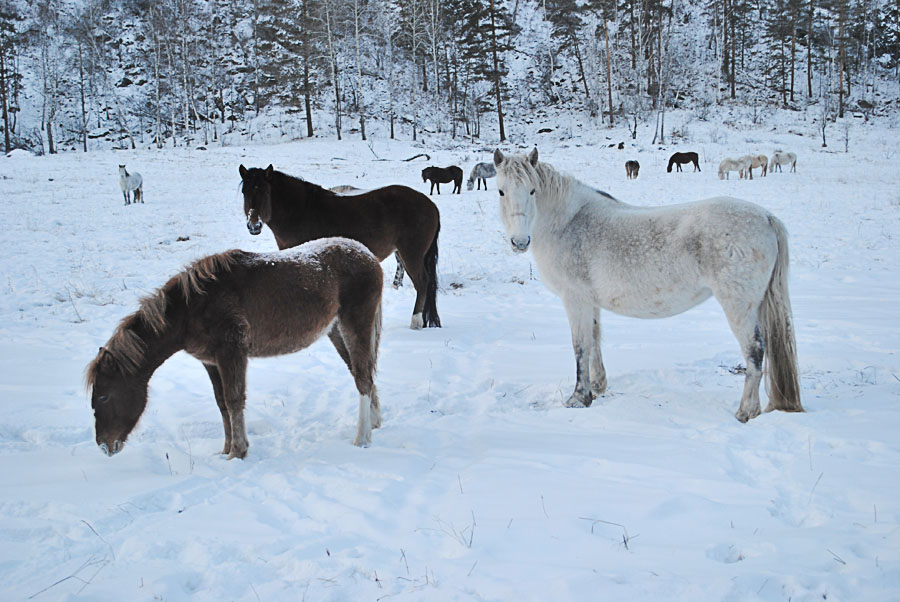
417, 322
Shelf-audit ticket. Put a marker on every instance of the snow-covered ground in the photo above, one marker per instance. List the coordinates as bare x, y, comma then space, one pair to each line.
480, 485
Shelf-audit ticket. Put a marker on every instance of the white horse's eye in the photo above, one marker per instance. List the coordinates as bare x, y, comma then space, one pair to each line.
532, 192
501, 192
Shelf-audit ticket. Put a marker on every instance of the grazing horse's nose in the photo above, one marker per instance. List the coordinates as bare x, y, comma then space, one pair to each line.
520, 245
117, 446
254, 227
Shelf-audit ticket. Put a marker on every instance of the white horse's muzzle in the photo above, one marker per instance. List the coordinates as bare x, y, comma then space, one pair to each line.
520, 245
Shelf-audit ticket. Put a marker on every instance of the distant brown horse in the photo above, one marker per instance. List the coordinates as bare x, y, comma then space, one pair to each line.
442, 175
386, 219
679, 159
226, 308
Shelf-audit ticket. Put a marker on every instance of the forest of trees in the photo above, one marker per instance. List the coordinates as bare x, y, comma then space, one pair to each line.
173, 72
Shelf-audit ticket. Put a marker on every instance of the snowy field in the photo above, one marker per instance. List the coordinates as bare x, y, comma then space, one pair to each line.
480, 485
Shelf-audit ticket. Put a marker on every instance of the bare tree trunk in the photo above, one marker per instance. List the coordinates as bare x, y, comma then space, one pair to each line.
4, 101
359, 90
332, 55
608, 73
842, 15
793, 46
809, 51
497, 73
83, 104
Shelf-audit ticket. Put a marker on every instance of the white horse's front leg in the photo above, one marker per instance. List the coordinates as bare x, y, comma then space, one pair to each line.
581, 322
597, 369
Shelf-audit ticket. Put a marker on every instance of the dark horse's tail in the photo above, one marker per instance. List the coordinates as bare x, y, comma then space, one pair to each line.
429, 311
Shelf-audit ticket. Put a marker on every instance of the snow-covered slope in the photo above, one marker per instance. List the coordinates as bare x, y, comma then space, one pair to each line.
480, 485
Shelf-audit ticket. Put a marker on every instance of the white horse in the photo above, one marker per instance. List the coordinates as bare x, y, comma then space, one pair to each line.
653, 262
729, 165
753, 161
780, 158
131, 182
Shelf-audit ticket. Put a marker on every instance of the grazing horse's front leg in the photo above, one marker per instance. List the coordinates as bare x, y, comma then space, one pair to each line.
581, 322
598, 370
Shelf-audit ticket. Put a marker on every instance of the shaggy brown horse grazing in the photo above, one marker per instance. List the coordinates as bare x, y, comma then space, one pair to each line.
679, 159
386, 219
442, 175
226, 308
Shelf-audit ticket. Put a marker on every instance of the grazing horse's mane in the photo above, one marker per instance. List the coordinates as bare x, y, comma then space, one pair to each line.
126, 346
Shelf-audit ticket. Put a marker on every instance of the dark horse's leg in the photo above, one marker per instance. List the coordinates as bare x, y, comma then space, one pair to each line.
398, 275
420, 260
363, 359
697, 165
216, 380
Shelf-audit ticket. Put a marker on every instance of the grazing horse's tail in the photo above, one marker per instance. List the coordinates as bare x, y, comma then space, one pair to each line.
429, 311
783, 384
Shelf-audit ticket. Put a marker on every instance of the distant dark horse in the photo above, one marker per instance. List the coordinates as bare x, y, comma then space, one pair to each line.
631, 169
442, 175
386, 219
679, 159
226, 308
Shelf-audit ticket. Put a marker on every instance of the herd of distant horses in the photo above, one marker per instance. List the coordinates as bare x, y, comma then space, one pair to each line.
590, 248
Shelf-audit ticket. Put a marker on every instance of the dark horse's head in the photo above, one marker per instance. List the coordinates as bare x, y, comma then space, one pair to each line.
256, 185
118, 400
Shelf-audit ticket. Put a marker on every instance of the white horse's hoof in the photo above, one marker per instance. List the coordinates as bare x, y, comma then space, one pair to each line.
744, 416
417, 322
363, 439
576, 401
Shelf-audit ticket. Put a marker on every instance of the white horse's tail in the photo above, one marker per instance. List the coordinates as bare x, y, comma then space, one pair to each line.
776, 319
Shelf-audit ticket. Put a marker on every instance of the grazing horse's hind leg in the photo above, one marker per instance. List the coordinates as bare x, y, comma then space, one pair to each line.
581, 322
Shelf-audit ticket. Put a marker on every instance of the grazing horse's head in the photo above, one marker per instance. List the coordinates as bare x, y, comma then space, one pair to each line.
256, 185
118, 400
517, 182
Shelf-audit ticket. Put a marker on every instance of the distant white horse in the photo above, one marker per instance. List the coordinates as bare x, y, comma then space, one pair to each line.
350, 190
780, 158
652, 262
753, 161
131, 182
481, 172
728, 165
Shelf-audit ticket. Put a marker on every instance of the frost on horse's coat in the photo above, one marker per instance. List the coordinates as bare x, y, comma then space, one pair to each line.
653, 262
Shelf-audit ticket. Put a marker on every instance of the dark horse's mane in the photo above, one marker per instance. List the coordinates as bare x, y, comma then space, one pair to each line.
297, 184
126, 346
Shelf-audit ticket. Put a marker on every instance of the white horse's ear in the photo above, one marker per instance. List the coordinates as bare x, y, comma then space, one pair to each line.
269, 171
498, 158
243, 171
532, 157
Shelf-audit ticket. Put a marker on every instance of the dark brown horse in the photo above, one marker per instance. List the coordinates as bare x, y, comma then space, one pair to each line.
386, 219
226, 308
442, 175
679, 159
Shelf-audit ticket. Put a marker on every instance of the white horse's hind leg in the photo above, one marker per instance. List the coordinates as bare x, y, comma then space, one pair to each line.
364, 424
581, 322
745, 326
597, 370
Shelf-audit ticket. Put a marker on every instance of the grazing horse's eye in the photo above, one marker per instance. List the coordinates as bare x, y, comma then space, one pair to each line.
501, 192
532, 192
